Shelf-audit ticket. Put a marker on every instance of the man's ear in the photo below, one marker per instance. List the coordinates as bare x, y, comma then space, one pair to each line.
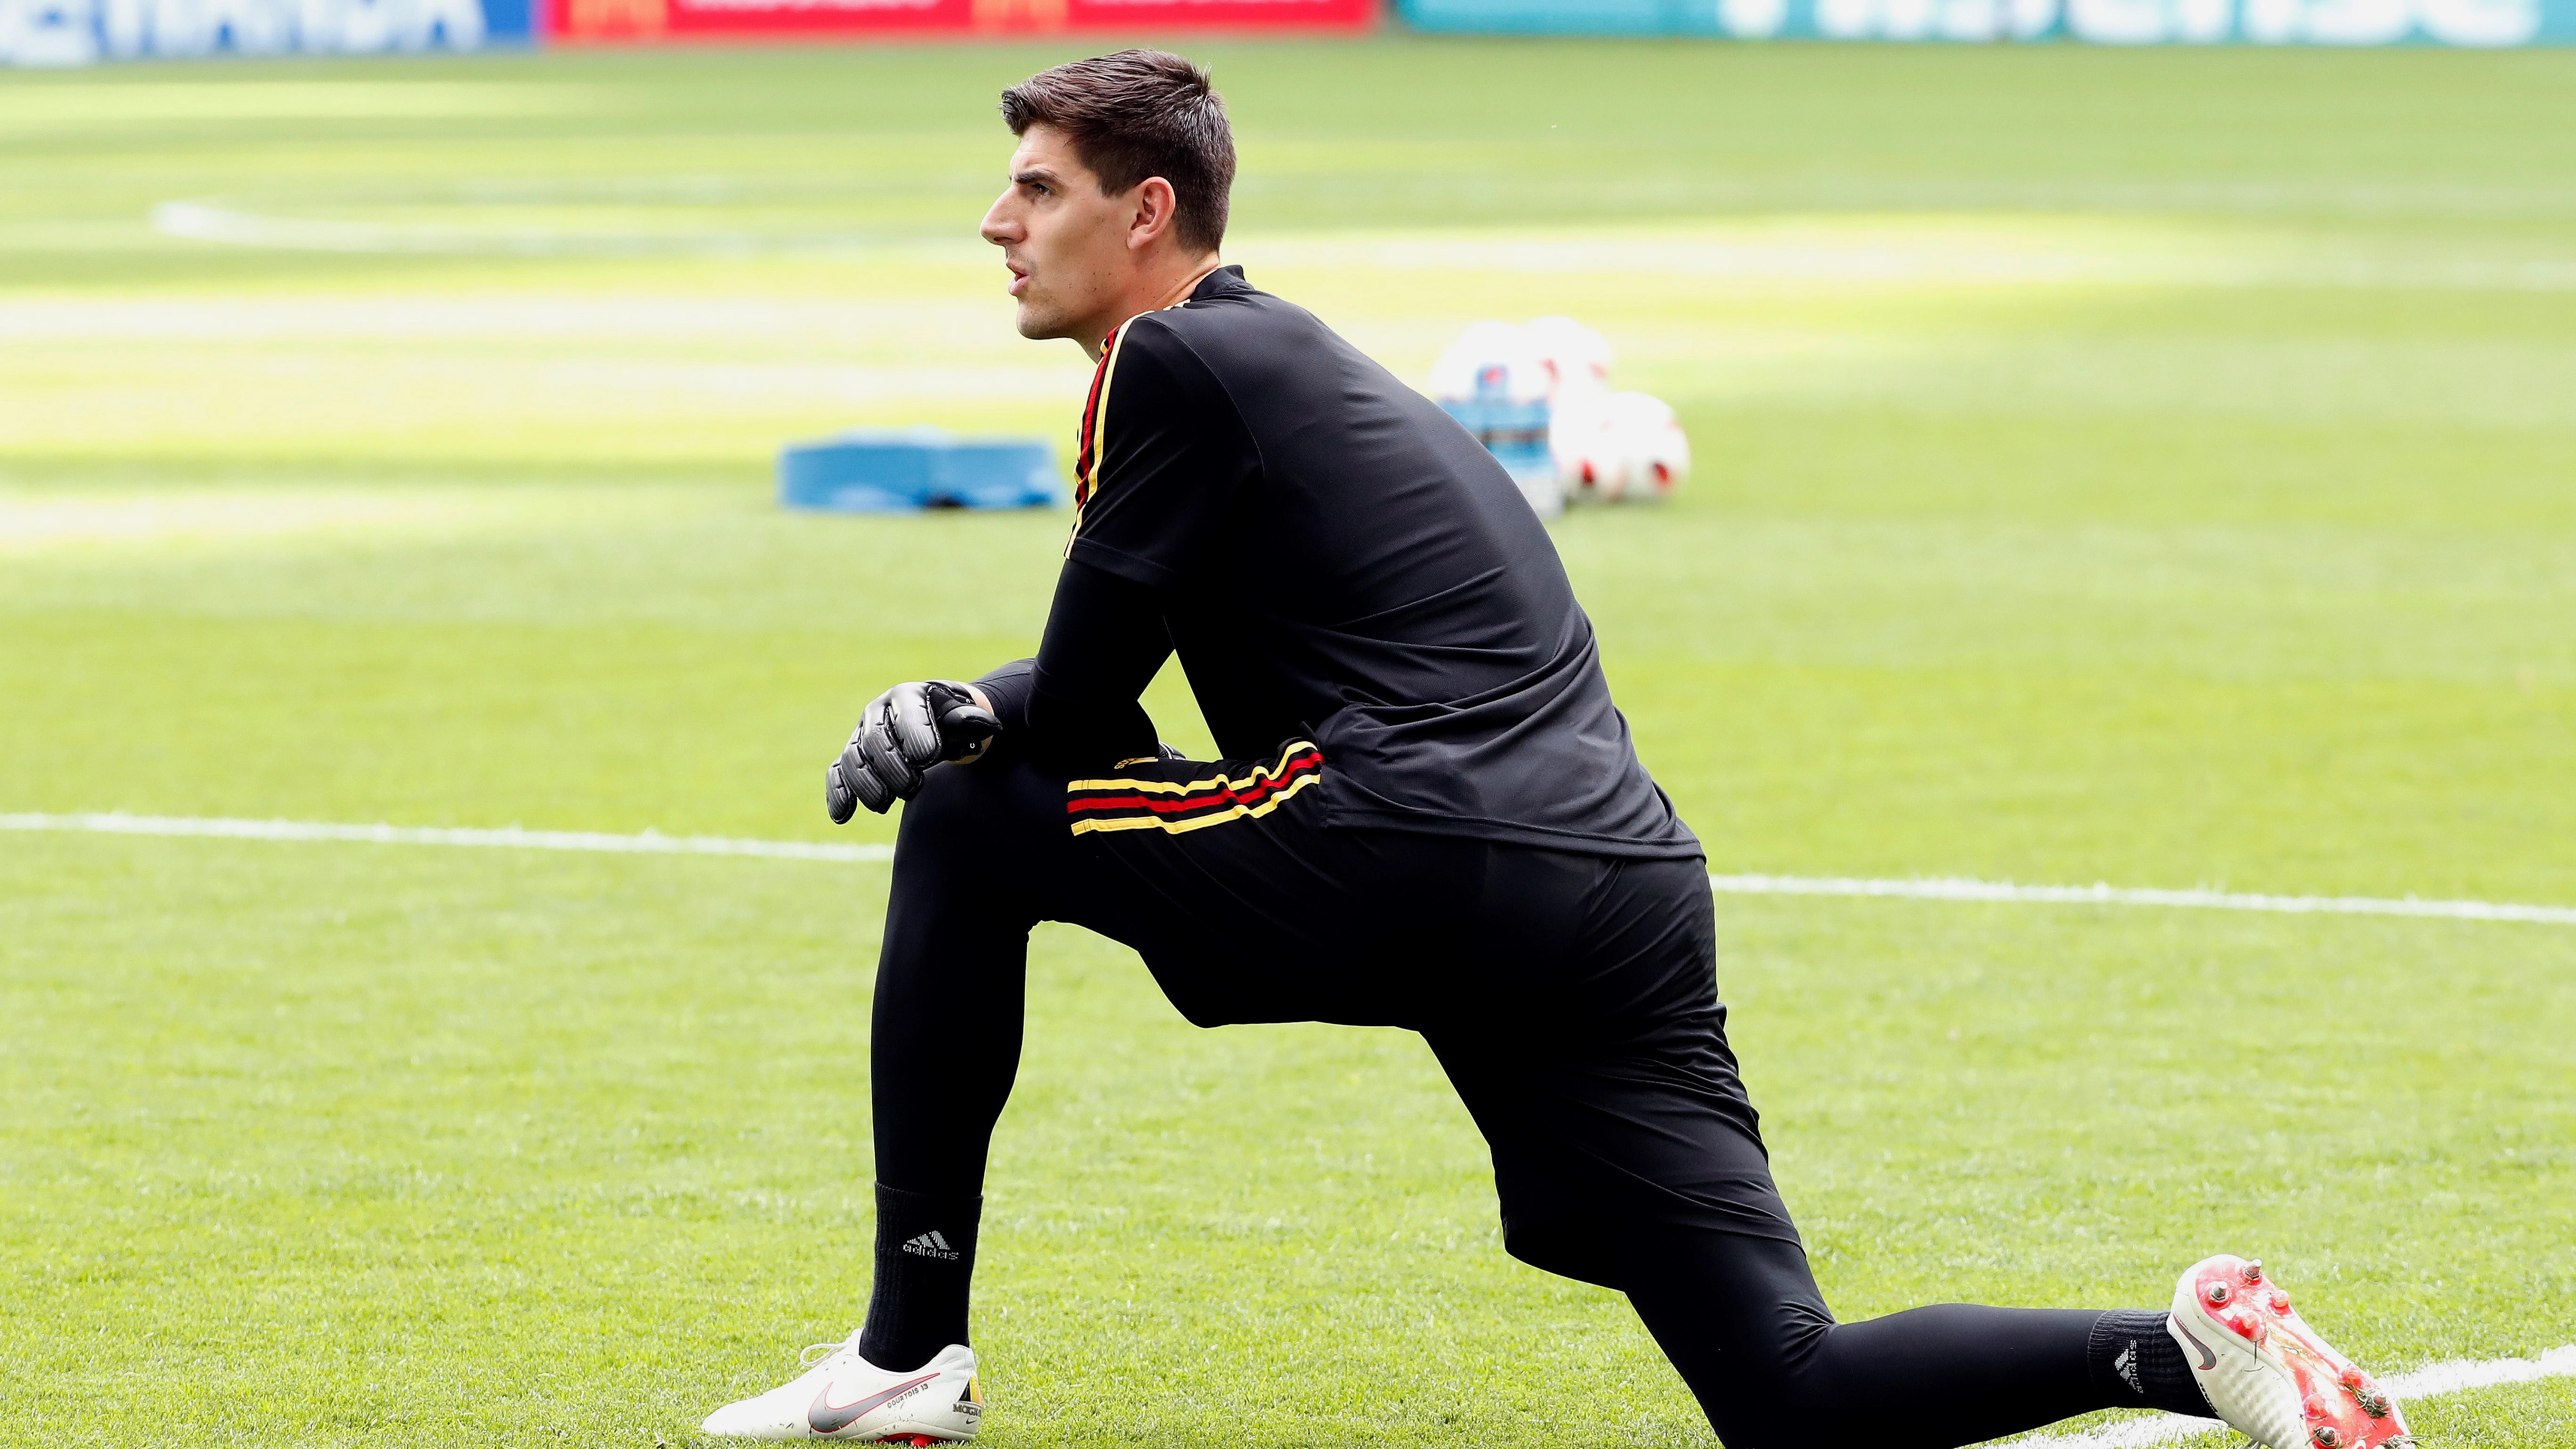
1157, 207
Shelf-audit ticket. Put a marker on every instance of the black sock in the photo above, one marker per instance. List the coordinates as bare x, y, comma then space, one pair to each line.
2135, 1360
925, 1264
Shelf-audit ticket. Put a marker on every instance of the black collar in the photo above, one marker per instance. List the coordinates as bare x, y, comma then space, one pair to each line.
1219, 282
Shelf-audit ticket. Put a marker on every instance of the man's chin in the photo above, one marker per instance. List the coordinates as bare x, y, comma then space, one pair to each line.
1039, 324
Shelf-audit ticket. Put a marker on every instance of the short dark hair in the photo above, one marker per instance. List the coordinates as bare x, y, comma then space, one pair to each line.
1136, 114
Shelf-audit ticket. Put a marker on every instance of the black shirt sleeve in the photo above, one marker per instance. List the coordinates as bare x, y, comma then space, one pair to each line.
1074, 707
1008, 688
1170, 457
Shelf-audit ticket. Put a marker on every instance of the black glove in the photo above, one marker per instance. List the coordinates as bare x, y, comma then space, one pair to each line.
901, 734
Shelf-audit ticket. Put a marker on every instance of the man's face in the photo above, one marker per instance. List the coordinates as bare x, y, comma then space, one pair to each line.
1064, 242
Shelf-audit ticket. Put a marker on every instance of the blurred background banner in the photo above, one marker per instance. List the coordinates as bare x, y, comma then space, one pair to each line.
627, 21
2109, 22
83, 32
80, 32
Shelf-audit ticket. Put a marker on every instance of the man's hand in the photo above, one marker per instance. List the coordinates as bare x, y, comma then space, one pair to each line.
901, 735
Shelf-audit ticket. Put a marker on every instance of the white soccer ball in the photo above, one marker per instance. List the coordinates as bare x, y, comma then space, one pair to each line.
1577, 358
1658, 452
1584, 449
1616, 445
1492, 362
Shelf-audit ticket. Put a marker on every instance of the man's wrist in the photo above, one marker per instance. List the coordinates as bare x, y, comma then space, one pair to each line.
983, 746
1004, 693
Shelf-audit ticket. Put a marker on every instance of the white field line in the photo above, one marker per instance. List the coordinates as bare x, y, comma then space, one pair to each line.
2423, 1383
513, 838
2109, 895
655, 843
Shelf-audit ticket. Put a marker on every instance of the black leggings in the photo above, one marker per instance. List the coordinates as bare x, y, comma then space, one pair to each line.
1711, 1266
1741, 1319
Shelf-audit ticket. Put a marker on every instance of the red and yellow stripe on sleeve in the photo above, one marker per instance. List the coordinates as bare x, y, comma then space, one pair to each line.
1178, 806
1095, 412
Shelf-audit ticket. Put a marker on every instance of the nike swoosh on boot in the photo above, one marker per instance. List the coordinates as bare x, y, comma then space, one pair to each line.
2208, 1360
828, 1418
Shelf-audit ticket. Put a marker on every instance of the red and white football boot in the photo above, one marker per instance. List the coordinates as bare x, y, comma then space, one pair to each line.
2267, 1373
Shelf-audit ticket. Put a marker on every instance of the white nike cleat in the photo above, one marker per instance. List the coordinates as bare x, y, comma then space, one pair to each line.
843, 1396
2267, 1373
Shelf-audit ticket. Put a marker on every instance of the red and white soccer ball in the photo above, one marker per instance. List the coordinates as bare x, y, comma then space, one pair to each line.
1577, 358
1616, 445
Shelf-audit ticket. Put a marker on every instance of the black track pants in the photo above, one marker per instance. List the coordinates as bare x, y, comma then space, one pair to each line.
1742, 1320
1571, 998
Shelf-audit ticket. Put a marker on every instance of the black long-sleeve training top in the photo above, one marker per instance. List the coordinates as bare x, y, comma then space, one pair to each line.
1335, 560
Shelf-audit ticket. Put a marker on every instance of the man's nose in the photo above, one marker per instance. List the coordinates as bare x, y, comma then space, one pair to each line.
999, 229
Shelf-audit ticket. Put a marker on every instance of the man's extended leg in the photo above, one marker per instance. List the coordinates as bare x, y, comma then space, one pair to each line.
1742, 1320
1628, 1155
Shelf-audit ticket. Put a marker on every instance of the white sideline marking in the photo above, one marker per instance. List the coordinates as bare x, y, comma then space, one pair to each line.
513, 838
655, 843
2423, 1383
2109, 895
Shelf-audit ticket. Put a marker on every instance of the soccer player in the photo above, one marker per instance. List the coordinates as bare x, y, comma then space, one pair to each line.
1429, 816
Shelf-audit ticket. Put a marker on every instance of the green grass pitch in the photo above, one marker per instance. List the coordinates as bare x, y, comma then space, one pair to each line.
2152, 468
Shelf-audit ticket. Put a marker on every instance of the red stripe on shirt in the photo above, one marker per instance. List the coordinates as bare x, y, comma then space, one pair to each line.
1252, 794
1083, 460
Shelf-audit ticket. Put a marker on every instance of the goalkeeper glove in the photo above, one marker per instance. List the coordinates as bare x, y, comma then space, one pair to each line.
901, 735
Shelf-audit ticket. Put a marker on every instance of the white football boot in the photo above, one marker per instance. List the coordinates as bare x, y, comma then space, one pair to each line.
2267, 1373
843, 1396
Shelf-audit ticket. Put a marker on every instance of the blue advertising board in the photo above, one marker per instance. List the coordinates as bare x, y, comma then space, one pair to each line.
80, 32
2110, 22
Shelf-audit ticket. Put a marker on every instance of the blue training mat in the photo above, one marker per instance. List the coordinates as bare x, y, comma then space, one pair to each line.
907, 470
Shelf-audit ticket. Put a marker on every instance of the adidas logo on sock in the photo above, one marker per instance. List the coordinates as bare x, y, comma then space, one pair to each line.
931, 1245
2125, 1364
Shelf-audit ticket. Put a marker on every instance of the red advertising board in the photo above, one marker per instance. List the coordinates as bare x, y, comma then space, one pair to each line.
630, 21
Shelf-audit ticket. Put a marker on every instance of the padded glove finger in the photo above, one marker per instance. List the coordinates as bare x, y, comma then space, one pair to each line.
840, 798
880, 750
914, 723
875, 791
851, 780
849, 784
